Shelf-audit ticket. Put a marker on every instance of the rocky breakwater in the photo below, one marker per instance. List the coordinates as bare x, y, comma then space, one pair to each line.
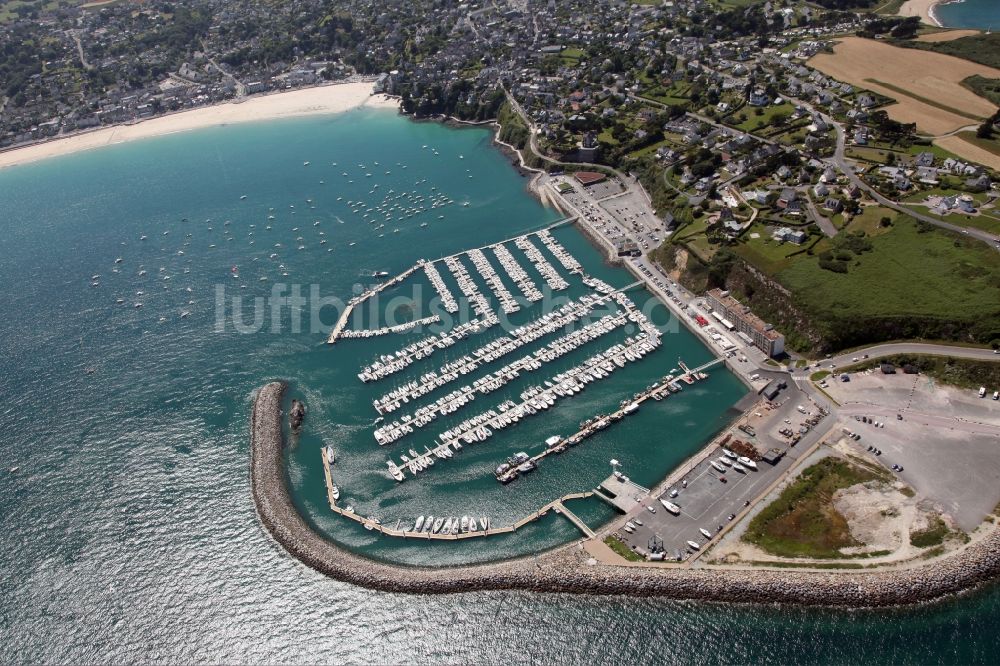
567, 569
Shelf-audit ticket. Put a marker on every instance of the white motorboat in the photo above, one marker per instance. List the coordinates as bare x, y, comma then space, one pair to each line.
719, 468
746, 462
329, 454
729, 454
419, 524
671, 507
335, 492
693, 545
705, 533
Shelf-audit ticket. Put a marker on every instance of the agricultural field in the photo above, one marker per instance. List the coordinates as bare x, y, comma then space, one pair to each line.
983, 48
927, 86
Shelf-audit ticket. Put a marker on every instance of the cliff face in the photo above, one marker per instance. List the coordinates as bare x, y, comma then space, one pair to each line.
566, 570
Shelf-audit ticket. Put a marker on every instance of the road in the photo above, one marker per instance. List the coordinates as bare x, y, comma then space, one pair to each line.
840, 161
891, 349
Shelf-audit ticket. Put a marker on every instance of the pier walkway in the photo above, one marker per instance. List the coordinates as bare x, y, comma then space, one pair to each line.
659, 391
560, 508
558, 223
357, 300
556, 504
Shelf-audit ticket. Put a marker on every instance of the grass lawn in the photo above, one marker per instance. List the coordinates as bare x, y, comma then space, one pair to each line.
766, 253
623, 550
869, 219
754, 122
802, 522
934, 274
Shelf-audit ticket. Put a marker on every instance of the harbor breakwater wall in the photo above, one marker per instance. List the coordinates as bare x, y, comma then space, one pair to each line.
566, 569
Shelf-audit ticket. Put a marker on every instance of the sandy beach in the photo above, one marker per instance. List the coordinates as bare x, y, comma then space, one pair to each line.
921, 8
328, 99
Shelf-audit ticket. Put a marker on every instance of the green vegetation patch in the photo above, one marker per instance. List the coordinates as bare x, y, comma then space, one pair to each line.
983, 48
619, 547
802, 522
984, 87
914, 281
933, 535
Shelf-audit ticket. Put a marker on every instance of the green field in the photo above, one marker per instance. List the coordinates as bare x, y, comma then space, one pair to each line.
935, 276
802, 521
755, 122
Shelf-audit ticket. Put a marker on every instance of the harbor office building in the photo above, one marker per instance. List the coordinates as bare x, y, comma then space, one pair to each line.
750, 328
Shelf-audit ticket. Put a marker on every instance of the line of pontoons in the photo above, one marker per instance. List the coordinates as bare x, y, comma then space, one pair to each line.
459, 398
448, 301
521, 462
385, 330
549, 323
480, 305
516, 273
535, 399
388, 364
567, 260
542, 265
507, 301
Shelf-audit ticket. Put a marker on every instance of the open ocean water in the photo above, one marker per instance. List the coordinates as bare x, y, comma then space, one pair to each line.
975, 14
128, 533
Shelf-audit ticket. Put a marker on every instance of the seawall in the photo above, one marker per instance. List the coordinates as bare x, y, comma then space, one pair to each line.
566, 569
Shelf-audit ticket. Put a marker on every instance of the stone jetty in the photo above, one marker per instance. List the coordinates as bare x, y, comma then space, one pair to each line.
567, 569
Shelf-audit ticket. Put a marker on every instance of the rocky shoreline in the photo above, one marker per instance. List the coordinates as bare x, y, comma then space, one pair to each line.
567, 570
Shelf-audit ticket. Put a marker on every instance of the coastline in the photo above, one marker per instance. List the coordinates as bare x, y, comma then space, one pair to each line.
325, 99
568, 569
922, 8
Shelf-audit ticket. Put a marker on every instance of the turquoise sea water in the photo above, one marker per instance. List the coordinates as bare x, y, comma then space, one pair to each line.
128, 531
977, 14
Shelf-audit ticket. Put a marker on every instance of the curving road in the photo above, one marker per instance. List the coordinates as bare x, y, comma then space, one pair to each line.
893, 348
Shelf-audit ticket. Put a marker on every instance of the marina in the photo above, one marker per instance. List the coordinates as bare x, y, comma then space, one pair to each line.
579, 323
451, 528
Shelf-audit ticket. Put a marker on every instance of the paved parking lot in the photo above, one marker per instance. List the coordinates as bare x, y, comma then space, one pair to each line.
705, 503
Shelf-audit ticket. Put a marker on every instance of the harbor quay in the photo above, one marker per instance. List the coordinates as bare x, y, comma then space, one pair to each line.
570, 569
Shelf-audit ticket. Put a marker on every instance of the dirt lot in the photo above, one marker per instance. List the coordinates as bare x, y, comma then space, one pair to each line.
948, 441
924, 75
